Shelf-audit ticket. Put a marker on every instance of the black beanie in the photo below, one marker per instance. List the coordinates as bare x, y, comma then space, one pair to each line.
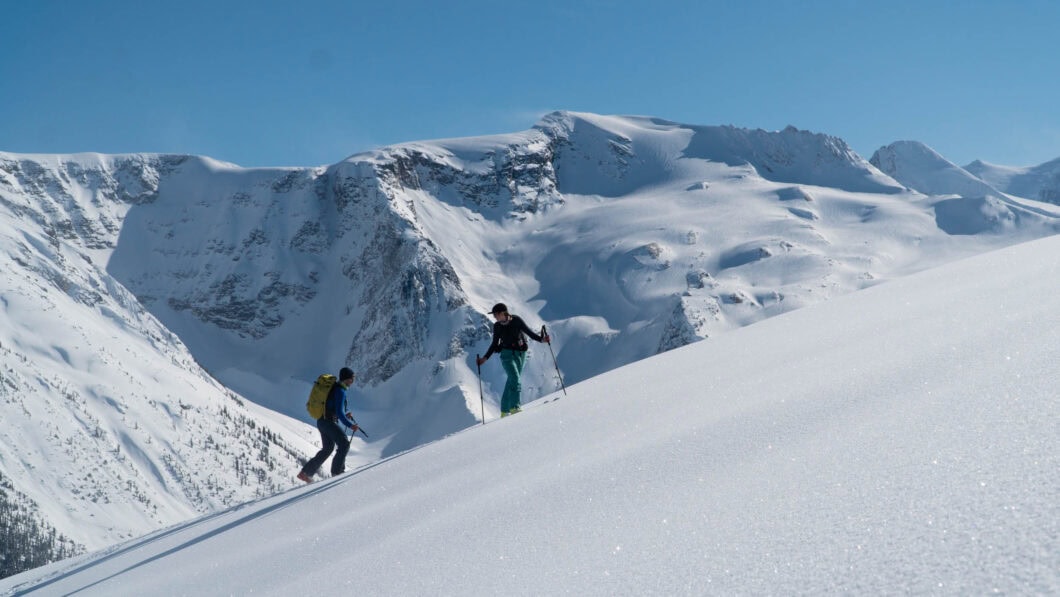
499, 308
345, 373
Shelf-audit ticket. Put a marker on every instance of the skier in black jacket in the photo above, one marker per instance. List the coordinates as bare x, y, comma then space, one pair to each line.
509, 339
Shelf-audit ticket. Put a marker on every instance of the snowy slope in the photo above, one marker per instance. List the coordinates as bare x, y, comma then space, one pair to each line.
109, 425
903, 439
628, 236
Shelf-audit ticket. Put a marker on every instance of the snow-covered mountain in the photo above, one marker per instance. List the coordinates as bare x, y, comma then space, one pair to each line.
919, 167
1040, 182
901, 440
130, 277
966, 203
110, 427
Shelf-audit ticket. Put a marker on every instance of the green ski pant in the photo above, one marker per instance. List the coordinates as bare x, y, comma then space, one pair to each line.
512, 361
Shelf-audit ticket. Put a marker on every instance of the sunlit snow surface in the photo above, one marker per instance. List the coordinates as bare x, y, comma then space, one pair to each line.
898, 440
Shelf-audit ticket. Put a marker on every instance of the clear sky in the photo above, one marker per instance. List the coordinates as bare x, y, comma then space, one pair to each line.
308, 82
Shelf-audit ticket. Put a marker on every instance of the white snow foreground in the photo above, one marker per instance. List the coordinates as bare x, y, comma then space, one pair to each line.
902, 439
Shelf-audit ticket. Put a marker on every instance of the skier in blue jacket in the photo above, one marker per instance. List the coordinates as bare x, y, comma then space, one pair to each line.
331, 435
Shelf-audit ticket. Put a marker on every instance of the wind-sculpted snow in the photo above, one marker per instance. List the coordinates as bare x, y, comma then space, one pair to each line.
610, 156
156, 277
974, 215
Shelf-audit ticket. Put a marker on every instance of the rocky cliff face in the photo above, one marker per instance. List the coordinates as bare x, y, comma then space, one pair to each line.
111, 429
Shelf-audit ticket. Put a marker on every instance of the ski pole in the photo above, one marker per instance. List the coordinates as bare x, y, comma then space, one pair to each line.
554, 361
357, 425
481, 401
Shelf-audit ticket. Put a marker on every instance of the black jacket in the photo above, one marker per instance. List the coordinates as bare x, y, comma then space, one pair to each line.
510, 336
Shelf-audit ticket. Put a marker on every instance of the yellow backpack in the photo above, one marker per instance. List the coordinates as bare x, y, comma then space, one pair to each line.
318, 396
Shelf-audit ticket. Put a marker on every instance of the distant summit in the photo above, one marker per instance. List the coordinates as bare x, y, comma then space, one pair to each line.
1040, 182
919, 167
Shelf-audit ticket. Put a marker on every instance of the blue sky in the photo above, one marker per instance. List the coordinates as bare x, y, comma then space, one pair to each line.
269, 83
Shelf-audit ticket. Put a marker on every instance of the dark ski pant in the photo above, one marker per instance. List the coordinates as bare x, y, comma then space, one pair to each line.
512, 361
332, 436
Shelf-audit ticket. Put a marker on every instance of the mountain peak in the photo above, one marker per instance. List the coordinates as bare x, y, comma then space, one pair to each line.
921, 168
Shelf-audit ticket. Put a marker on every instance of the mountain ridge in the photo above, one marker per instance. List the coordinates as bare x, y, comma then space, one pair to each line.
629, 236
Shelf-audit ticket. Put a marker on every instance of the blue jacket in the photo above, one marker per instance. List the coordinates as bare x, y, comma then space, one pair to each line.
335, 407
